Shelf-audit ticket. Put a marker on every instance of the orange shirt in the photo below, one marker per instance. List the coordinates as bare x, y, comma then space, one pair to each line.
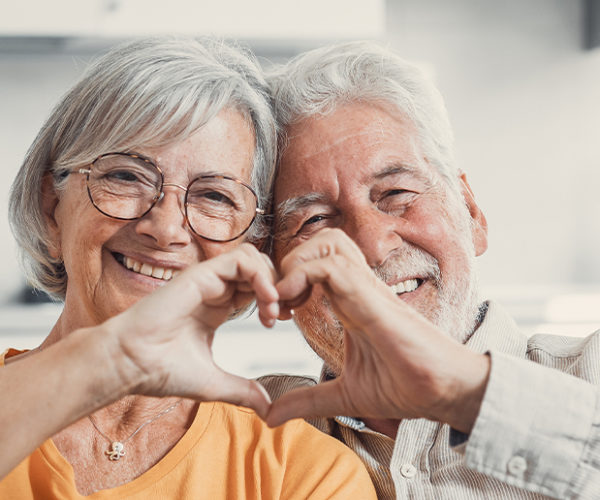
227, 453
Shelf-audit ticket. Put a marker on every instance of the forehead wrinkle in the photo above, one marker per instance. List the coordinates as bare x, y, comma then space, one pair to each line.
338, 138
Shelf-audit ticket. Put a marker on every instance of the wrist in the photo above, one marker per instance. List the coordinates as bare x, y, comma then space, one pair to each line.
466, 391
118, 375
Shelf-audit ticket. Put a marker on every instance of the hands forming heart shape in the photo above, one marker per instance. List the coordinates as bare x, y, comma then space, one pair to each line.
396, 363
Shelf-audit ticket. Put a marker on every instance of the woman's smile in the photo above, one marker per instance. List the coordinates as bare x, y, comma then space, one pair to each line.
146, 268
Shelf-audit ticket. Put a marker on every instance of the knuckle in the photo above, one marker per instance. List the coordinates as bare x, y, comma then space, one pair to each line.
248, 249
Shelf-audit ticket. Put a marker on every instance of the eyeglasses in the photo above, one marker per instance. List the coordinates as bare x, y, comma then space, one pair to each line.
126, 186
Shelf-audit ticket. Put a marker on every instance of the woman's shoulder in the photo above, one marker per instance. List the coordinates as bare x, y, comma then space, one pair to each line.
312, 461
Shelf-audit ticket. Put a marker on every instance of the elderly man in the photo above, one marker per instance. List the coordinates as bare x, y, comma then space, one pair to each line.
373, 216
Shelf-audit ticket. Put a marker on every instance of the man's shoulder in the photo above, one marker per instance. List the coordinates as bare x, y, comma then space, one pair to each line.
278, 384
578, 356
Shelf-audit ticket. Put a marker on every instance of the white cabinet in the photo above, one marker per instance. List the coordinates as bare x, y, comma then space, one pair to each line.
247, 19
49, 18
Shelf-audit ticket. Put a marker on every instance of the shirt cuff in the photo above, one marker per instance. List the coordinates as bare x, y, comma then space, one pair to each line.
532, 427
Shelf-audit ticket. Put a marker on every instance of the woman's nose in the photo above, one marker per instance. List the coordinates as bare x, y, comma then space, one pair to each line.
166, 222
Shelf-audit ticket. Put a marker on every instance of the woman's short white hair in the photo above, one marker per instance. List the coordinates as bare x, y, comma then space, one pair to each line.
147, 93
318, 81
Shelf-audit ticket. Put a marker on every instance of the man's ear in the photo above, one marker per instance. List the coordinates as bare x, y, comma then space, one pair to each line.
479, 227
49, 204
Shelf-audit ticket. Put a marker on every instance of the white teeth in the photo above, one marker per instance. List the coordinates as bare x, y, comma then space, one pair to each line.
405, 286
148, 270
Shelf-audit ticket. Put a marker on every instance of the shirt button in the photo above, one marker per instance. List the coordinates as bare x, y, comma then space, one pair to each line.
517, 466
408, 470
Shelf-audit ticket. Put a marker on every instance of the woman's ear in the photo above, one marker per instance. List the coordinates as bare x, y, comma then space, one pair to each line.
479, 228
49, 203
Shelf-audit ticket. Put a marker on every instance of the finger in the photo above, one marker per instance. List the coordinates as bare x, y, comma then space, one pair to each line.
294, 289
244, 266
285, 312
325, 243
322, 400
241, 392
255, 270
268, 313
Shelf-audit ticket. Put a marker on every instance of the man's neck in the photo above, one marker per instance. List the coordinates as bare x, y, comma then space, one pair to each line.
386, 426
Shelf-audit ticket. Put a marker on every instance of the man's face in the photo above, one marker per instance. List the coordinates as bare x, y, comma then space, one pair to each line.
361, 169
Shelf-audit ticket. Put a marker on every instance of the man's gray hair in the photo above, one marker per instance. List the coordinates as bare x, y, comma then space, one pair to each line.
147, 93
318, 81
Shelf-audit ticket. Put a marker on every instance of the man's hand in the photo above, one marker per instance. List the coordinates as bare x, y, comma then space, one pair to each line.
396, 363
165, 338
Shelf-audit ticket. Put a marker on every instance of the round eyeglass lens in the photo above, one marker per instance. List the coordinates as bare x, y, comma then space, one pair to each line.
124, 186
220, 208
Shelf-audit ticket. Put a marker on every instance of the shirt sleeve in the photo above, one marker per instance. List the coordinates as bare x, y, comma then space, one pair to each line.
538, 429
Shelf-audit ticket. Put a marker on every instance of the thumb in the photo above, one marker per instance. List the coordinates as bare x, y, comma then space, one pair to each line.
241, 392
321, 400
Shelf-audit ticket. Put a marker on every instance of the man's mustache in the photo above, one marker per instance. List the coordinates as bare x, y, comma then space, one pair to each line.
409, 262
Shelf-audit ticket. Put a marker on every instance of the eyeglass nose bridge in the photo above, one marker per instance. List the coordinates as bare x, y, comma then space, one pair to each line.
171, 184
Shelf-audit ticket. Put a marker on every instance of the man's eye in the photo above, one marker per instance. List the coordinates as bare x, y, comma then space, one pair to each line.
396, 200
314, 219
312, 224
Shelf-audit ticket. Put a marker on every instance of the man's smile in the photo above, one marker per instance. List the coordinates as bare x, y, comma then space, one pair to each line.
409, 285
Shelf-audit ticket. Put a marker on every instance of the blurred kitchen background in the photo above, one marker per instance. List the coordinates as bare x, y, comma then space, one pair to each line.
521, 79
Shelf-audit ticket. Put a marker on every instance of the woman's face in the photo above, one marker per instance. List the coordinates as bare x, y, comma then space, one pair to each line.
107, 260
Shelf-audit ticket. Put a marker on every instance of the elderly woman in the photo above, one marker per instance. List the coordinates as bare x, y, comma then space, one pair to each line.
131, 207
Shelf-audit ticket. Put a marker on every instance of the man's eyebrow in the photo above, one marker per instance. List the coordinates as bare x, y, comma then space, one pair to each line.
286, 208
401, 168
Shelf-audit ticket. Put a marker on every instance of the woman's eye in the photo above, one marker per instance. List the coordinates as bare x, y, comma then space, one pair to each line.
395, 192
123, 175
218, 197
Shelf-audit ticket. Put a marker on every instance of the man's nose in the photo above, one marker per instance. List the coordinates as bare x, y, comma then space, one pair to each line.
377, 234
166, 222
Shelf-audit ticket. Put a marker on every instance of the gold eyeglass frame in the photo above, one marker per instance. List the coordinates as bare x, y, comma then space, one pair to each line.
160, 193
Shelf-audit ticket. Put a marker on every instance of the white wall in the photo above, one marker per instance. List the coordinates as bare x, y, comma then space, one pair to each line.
30, 84
524, 99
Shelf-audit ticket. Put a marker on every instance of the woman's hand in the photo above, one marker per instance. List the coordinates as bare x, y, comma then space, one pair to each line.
166, 337
396, 363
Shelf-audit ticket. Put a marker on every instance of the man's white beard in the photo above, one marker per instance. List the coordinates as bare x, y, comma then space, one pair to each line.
456, 310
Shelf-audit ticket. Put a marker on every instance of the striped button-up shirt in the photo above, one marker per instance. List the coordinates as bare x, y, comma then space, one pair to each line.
537, 434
